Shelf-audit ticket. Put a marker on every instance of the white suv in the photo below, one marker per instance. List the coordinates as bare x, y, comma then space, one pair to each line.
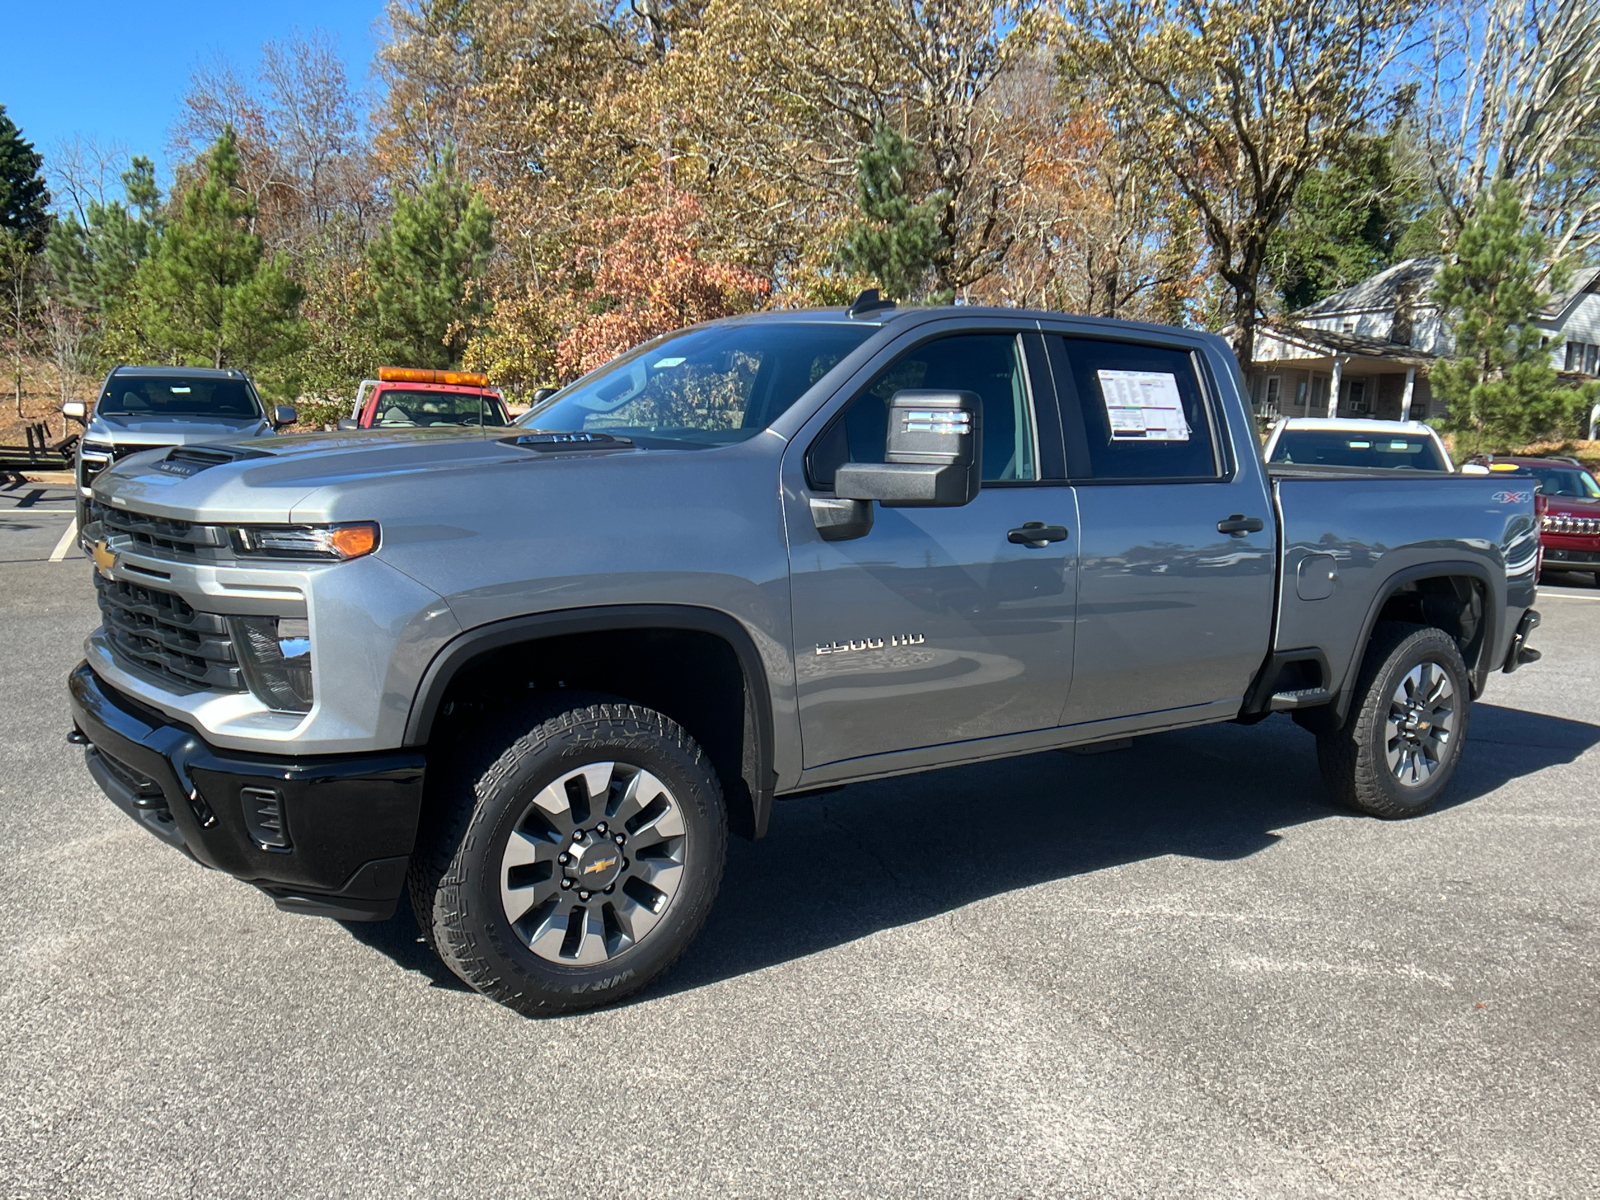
1340, 442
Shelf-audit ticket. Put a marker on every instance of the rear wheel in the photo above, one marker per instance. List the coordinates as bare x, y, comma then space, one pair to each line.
575, 865
1399, 747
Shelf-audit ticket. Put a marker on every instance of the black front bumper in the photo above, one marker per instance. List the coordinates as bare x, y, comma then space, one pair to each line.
324, 834
1561, 556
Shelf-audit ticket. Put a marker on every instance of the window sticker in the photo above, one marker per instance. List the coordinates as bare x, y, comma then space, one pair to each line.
1143, 405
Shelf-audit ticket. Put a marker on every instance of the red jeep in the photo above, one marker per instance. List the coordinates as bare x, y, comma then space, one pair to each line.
415, 398
1569, 517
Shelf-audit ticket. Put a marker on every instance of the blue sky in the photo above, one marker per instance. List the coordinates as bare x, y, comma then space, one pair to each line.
117, 71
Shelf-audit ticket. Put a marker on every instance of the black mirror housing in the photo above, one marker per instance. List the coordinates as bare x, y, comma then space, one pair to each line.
933, 454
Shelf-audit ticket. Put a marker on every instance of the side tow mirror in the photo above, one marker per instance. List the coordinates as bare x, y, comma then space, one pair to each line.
349, 423
284, 414
933, 456
75, 410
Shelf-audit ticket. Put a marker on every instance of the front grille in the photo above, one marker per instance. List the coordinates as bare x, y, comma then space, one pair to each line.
158, 632
1571, 523
163, 537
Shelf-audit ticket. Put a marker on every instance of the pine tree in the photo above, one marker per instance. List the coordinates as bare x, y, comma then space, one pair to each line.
93, 264
425, 269
1499, 381
207, 294
24, 199
896, 241
1349, 221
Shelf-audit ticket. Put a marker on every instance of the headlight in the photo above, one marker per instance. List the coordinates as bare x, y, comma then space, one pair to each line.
275, 653
93, 457
351, 539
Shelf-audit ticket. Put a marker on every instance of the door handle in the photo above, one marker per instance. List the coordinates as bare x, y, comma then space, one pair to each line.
1037, 534
1239, 525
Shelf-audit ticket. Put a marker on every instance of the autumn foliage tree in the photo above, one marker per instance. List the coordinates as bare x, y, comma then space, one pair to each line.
1237, 101
646, 276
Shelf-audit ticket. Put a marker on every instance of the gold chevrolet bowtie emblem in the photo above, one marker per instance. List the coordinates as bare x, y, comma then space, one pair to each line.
603, 864
104, 559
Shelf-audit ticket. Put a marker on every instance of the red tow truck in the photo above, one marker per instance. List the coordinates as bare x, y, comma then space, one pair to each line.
418, 398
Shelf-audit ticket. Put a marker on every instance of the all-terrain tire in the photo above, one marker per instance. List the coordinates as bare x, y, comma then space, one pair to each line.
485, 799
1358, 759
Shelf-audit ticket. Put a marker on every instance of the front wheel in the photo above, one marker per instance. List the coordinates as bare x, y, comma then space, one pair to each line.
575, 865
1400, 745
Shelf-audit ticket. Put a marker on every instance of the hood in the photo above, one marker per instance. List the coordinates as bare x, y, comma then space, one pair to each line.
1577, 506
265, 479
135, 430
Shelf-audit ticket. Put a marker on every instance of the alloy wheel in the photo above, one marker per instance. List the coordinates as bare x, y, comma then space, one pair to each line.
593, 863
1420, 725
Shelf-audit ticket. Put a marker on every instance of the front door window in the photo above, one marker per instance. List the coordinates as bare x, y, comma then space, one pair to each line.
934, 627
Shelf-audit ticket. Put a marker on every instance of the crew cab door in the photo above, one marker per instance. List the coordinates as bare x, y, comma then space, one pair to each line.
935, 625
1176, 551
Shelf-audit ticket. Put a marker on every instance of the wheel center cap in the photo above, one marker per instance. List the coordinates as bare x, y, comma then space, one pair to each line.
595, 863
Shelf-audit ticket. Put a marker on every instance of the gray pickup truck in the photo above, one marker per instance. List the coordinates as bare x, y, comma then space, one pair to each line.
152, 408
535, 676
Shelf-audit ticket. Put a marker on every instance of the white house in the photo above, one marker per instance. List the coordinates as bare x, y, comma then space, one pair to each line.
1372, 344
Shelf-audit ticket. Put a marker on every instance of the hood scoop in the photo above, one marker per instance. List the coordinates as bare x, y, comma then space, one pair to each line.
191, 460
567, 443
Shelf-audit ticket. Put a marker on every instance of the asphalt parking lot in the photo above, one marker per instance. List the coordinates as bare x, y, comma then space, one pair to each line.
1166, 971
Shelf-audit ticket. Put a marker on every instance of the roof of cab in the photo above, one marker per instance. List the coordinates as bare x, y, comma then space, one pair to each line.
1357, 425
189, 372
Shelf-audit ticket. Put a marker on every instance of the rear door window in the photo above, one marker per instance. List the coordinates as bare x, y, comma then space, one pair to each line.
1133, 411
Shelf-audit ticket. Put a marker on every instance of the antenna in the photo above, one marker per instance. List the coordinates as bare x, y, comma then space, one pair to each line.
868, 303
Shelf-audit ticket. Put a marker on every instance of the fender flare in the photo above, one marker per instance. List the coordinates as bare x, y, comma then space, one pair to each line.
1493, 619
473, 644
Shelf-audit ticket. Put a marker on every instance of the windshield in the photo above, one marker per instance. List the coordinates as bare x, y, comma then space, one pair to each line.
1566, 481
1333, 448
399, 408
176, 396
703, 387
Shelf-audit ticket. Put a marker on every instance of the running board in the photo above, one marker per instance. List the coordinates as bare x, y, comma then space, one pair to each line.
1304, 698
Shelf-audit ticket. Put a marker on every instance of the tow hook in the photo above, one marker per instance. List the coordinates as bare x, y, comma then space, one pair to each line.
1521, 653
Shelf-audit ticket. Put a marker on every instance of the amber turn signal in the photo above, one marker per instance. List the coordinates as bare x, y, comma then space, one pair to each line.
354, 540
423, 375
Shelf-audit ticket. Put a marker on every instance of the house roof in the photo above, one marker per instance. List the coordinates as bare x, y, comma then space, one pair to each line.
1585, 280
1354, 345
1377, 293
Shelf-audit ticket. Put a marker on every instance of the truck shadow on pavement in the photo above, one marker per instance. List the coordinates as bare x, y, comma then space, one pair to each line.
873, 856
842, 866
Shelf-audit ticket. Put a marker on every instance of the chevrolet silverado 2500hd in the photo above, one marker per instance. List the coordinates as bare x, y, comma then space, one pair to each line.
534, 676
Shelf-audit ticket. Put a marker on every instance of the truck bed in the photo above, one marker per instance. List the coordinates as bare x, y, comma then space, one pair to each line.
1350, 536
